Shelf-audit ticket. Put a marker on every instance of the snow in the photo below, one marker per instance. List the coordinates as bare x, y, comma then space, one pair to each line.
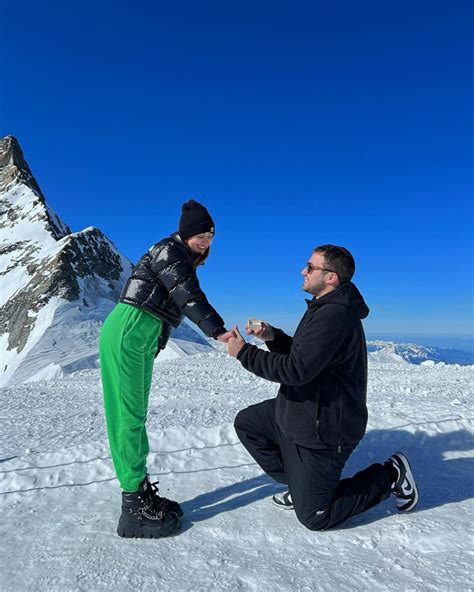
12, 360
388, 355
30, 224
61, 501
178, 348
16, 279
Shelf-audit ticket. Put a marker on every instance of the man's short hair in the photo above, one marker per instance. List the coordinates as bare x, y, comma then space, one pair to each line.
338, 259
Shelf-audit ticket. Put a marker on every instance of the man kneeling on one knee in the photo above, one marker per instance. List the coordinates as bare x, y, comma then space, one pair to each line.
304, 436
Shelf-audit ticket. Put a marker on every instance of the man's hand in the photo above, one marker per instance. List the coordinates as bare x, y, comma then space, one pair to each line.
224, 337
235, 343
265, 332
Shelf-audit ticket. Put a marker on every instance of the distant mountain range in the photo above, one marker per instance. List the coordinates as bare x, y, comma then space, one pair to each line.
417, 354
411, 353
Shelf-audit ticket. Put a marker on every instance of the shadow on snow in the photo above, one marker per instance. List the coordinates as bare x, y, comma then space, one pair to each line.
443, 472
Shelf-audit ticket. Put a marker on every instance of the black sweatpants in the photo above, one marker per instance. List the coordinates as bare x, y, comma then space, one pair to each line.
313, 476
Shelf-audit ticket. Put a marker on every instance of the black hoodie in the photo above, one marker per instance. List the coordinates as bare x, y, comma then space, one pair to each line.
322, 370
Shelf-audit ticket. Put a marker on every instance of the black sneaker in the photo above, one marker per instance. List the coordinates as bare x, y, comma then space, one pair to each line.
404, 488
143, 517
168, 504
283, 500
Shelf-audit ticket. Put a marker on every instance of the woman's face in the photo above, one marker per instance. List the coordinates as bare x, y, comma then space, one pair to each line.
200, 242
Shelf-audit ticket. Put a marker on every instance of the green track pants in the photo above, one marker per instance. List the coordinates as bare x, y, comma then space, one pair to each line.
127, 347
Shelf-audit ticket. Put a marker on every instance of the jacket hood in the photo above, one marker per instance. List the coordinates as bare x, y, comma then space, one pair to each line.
346, 294
177, 237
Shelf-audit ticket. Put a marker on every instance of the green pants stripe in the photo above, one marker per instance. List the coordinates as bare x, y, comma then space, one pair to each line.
127, 347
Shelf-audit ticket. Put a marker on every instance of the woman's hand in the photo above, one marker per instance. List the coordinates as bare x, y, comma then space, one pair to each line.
224, 337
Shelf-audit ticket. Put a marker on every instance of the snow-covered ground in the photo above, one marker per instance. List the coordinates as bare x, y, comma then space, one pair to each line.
60, 500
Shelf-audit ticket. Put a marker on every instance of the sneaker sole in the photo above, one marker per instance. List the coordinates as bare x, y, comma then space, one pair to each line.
135, 531
284, 506
411, 478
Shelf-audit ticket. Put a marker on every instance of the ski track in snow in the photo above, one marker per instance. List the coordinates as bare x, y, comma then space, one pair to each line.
60, 499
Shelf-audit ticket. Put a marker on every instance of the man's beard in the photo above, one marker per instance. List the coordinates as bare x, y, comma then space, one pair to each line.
314, 289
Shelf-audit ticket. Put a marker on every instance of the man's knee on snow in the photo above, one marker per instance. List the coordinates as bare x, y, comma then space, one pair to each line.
314, 516
240, 421
317, 520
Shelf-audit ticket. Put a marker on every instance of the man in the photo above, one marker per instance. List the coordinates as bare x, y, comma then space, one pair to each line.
304, 437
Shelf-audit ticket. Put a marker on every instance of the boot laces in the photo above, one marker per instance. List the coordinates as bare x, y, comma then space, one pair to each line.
159, 502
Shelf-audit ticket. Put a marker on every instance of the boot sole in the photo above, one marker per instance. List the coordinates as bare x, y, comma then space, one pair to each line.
136, 531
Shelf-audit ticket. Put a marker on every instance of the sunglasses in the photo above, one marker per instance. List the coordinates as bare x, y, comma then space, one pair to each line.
310, 268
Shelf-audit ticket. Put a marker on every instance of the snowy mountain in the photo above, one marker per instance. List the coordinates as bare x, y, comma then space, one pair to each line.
417, 354
57, 285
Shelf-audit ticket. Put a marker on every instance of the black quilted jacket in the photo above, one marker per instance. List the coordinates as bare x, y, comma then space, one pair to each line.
164, 283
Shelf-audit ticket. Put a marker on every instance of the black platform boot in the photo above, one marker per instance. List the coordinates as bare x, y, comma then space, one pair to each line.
147, 515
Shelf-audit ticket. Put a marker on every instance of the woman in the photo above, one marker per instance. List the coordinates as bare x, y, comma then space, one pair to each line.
162, 289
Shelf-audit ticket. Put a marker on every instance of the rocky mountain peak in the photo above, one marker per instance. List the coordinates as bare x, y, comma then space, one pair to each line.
14, 168
21, 198
57, 285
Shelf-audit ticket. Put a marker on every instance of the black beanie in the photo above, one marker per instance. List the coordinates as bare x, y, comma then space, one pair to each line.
194, 220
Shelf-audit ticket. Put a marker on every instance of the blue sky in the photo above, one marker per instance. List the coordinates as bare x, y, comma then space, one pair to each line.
296, 123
